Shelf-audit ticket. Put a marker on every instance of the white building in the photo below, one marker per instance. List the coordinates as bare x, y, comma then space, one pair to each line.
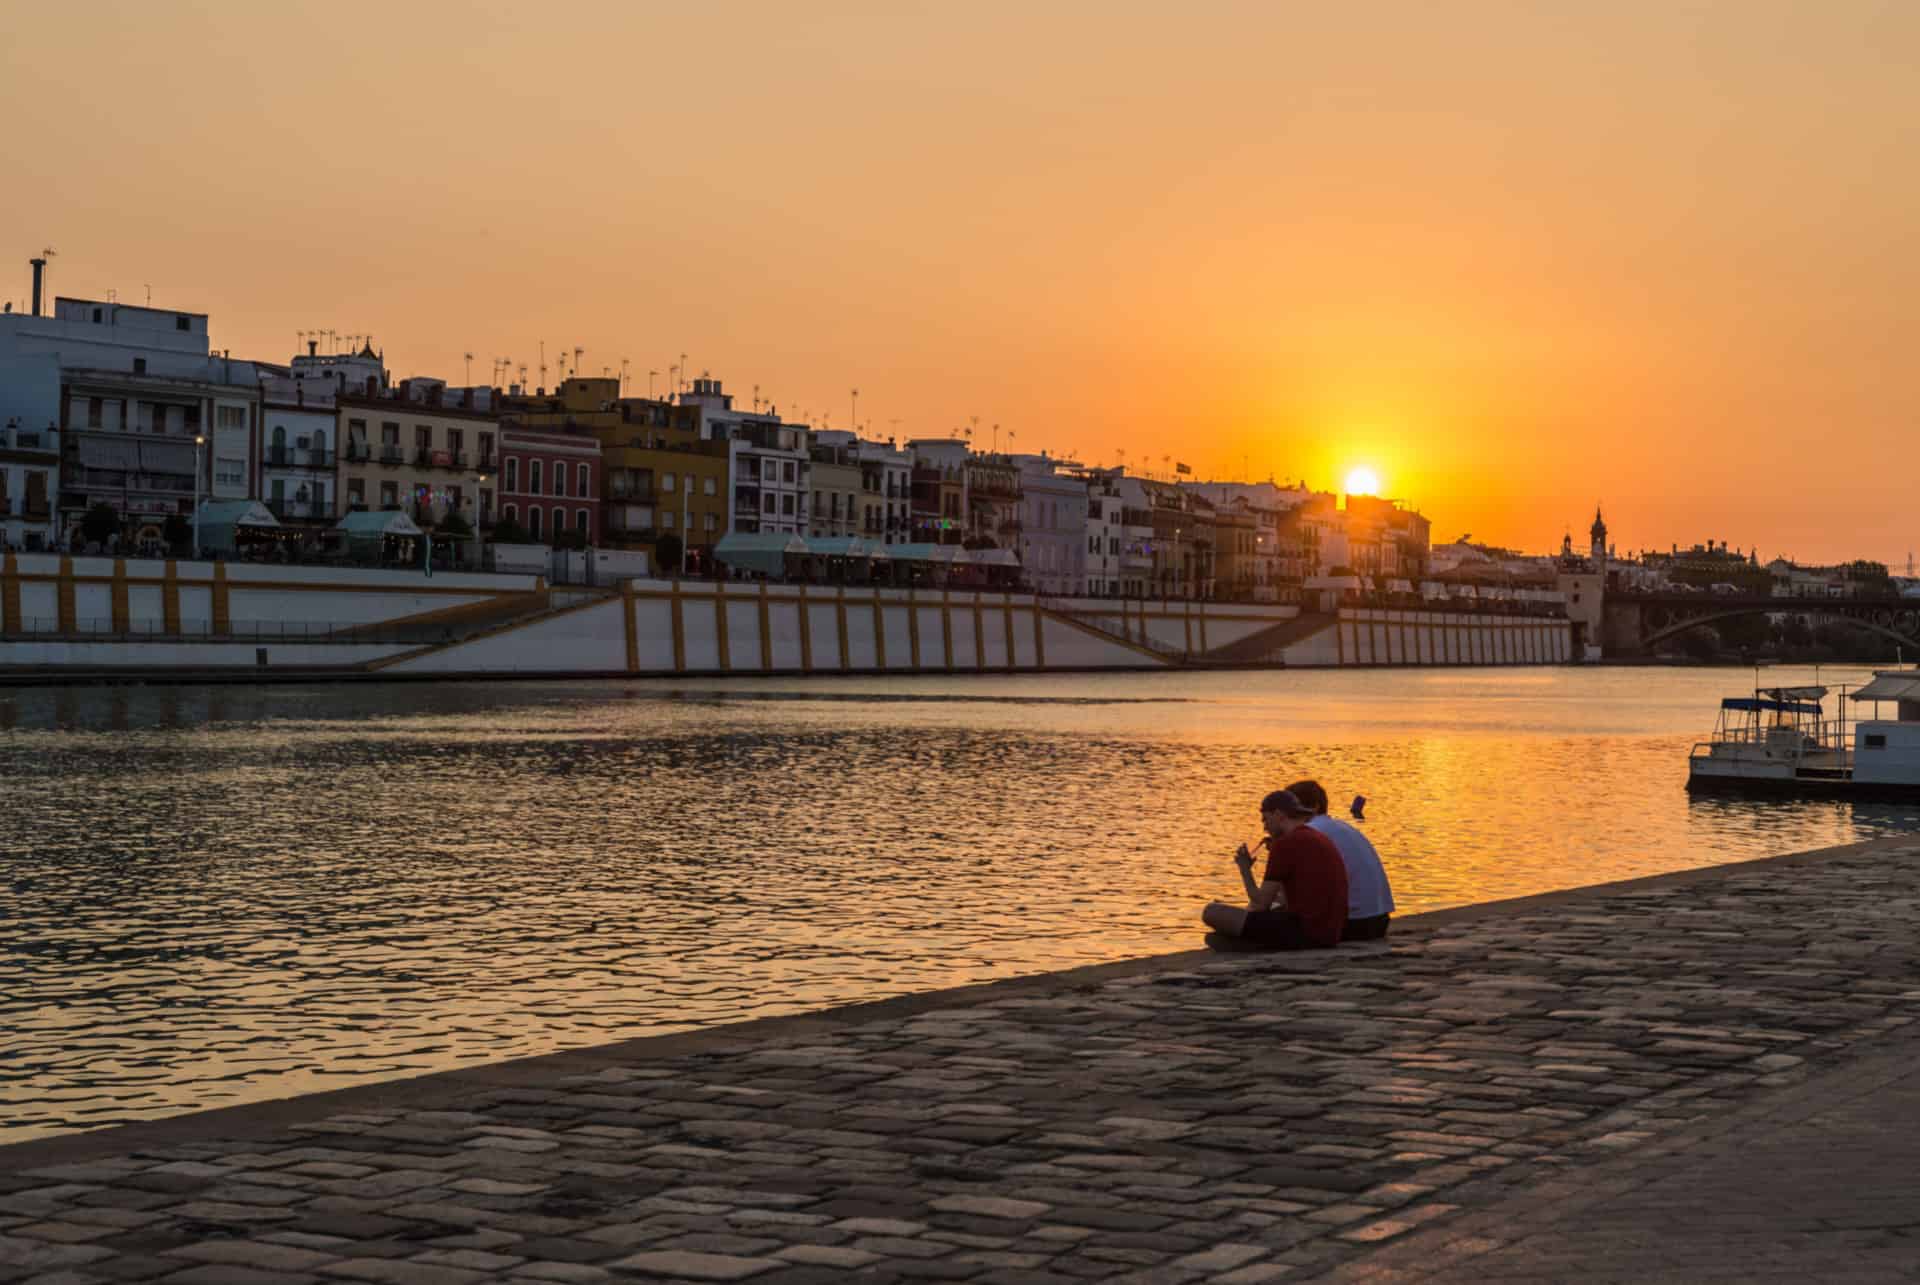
29, 480
1119, 535
299, 462
148, 414
768, 462
1054, 534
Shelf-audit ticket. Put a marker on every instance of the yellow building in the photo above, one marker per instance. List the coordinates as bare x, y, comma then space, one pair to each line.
411, 452
657, 477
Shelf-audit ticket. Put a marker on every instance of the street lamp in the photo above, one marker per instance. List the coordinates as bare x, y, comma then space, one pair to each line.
199, 440
479, 549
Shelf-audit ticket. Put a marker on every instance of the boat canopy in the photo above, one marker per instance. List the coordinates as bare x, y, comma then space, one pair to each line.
1768, 705
1891, 687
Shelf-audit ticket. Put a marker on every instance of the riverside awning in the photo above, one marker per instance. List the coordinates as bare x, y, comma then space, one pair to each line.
845, 546
762, 552
222, 521
947, 555
375, 524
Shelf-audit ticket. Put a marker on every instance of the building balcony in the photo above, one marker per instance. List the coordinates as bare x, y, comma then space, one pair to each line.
423, 455
392, 455
460, 459
285, 457
486, 463
27, 439
359, 452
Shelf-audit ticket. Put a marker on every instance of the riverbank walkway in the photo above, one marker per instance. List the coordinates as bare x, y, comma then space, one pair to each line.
1703, 1076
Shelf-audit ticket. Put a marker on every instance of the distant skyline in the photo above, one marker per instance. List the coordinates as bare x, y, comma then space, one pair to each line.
1514, 258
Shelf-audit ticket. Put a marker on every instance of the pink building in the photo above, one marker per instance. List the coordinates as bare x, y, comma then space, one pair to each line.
550, 482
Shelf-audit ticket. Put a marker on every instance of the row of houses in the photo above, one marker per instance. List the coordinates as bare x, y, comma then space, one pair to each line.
129, 410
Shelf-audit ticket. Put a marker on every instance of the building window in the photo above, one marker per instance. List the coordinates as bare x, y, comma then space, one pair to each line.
139, 365
666, 519
580, 519
769, 502
486, 505
356, 493
710, 488
533, 518
786, 506
512, 479
181, 323
389, 495
390, 433
667, 482
228, 472
560, 482
787, 472
533, 480
230, 416
486, 448
586, 482
512, 512
713, 523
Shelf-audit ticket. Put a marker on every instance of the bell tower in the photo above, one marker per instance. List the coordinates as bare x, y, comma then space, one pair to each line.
1599, 548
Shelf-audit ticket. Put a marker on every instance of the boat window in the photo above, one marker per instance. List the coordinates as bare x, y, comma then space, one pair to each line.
1875, 741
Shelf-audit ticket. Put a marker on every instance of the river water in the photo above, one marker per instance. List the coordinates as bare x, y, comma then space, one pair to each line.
226, 894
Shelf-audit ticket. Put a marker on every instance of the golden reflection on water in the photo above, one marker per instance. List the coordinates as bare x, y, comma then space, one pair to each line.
228, 894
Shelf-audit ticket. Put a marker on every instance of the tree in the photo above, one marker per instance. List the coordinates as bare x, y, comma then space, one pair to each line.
177, 531
454, 526
101, 524
507, 531
666, 553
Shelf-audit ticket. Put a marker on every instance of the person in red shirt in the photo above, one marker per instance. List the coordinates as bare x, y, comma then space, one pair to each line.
1301, 900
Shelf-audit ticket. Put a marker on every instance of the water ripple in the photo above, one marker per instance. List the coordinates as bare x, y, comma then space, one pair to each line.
229, 894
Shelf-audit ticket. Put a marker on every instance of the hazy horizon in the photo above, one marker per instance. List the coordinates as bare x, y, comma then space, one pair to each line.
1519, 259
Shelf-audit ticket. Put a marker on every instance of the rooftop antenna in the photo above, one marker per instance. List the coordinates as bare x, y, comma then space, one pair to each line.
578, 353
673, 381
651, 376
853, 415
543, 365
756, 407
624, 363
40, 287
149, 286
468, 380
683, 371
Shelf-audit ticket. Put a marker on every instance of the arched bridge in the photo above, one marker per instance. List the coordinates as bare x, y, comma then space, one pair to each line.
1636, 622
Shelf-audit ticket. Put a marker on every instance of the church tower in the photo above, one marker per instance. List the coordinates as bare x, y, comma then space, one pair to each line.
1599, 549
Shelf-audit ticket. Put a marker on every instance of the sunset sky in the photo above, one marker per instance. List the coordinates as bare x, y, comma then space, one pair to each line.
1515, 257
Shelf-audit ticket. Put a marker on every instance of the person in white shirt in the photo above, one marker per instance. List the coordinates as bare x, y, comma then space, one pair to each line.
1369, 896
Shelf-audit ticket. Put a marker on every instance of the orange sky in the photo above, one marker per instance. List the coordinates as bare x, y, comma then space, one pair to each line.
1518, 257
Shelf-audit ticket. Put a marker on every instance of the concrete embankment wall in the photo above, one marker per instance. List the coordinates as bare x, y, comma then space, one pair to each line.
60, 614
57, 595
703, 627
1382, 636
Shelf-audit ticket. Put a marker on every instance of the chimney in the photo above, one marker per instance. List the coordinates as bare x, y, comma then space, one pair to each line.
39, 270
313, 347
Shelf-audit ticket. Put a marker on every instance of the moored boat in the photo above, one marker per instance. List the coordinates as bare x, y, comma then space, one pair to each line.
1782, 740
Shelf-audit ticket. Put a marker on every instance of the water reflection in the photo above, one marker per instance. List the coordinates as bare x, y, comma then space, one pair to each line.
235, 893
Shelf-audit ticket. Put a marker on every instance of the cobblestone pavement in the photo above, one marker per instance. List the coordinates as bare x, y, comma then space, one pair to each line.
1371, 1112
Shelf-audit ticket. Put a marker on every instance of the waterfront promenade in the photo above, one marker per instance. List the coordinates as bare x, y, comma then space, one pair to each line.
1706, 1075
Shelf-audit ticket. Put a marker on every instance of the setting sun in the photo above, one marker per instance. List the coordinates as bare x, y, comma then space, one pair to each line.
1363, 481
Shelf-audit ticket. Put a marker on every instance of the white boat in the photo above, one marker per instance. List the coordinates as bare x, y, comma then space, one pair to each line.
1782, 740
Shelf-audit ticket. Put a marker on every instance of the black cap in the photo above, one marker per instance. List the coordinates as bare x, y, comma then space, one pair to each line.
1285, 801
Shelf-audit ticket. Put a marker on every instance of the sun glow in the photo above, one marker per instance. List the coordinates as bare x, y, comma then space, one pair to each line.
1363, 481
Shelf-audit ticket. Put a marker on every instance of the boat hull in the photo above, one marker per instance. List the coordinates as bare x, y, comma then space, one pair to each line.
1810, 787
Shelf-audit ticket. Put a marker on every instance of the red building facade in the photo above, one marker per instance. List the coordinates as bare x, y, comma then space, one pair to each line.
550, 482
